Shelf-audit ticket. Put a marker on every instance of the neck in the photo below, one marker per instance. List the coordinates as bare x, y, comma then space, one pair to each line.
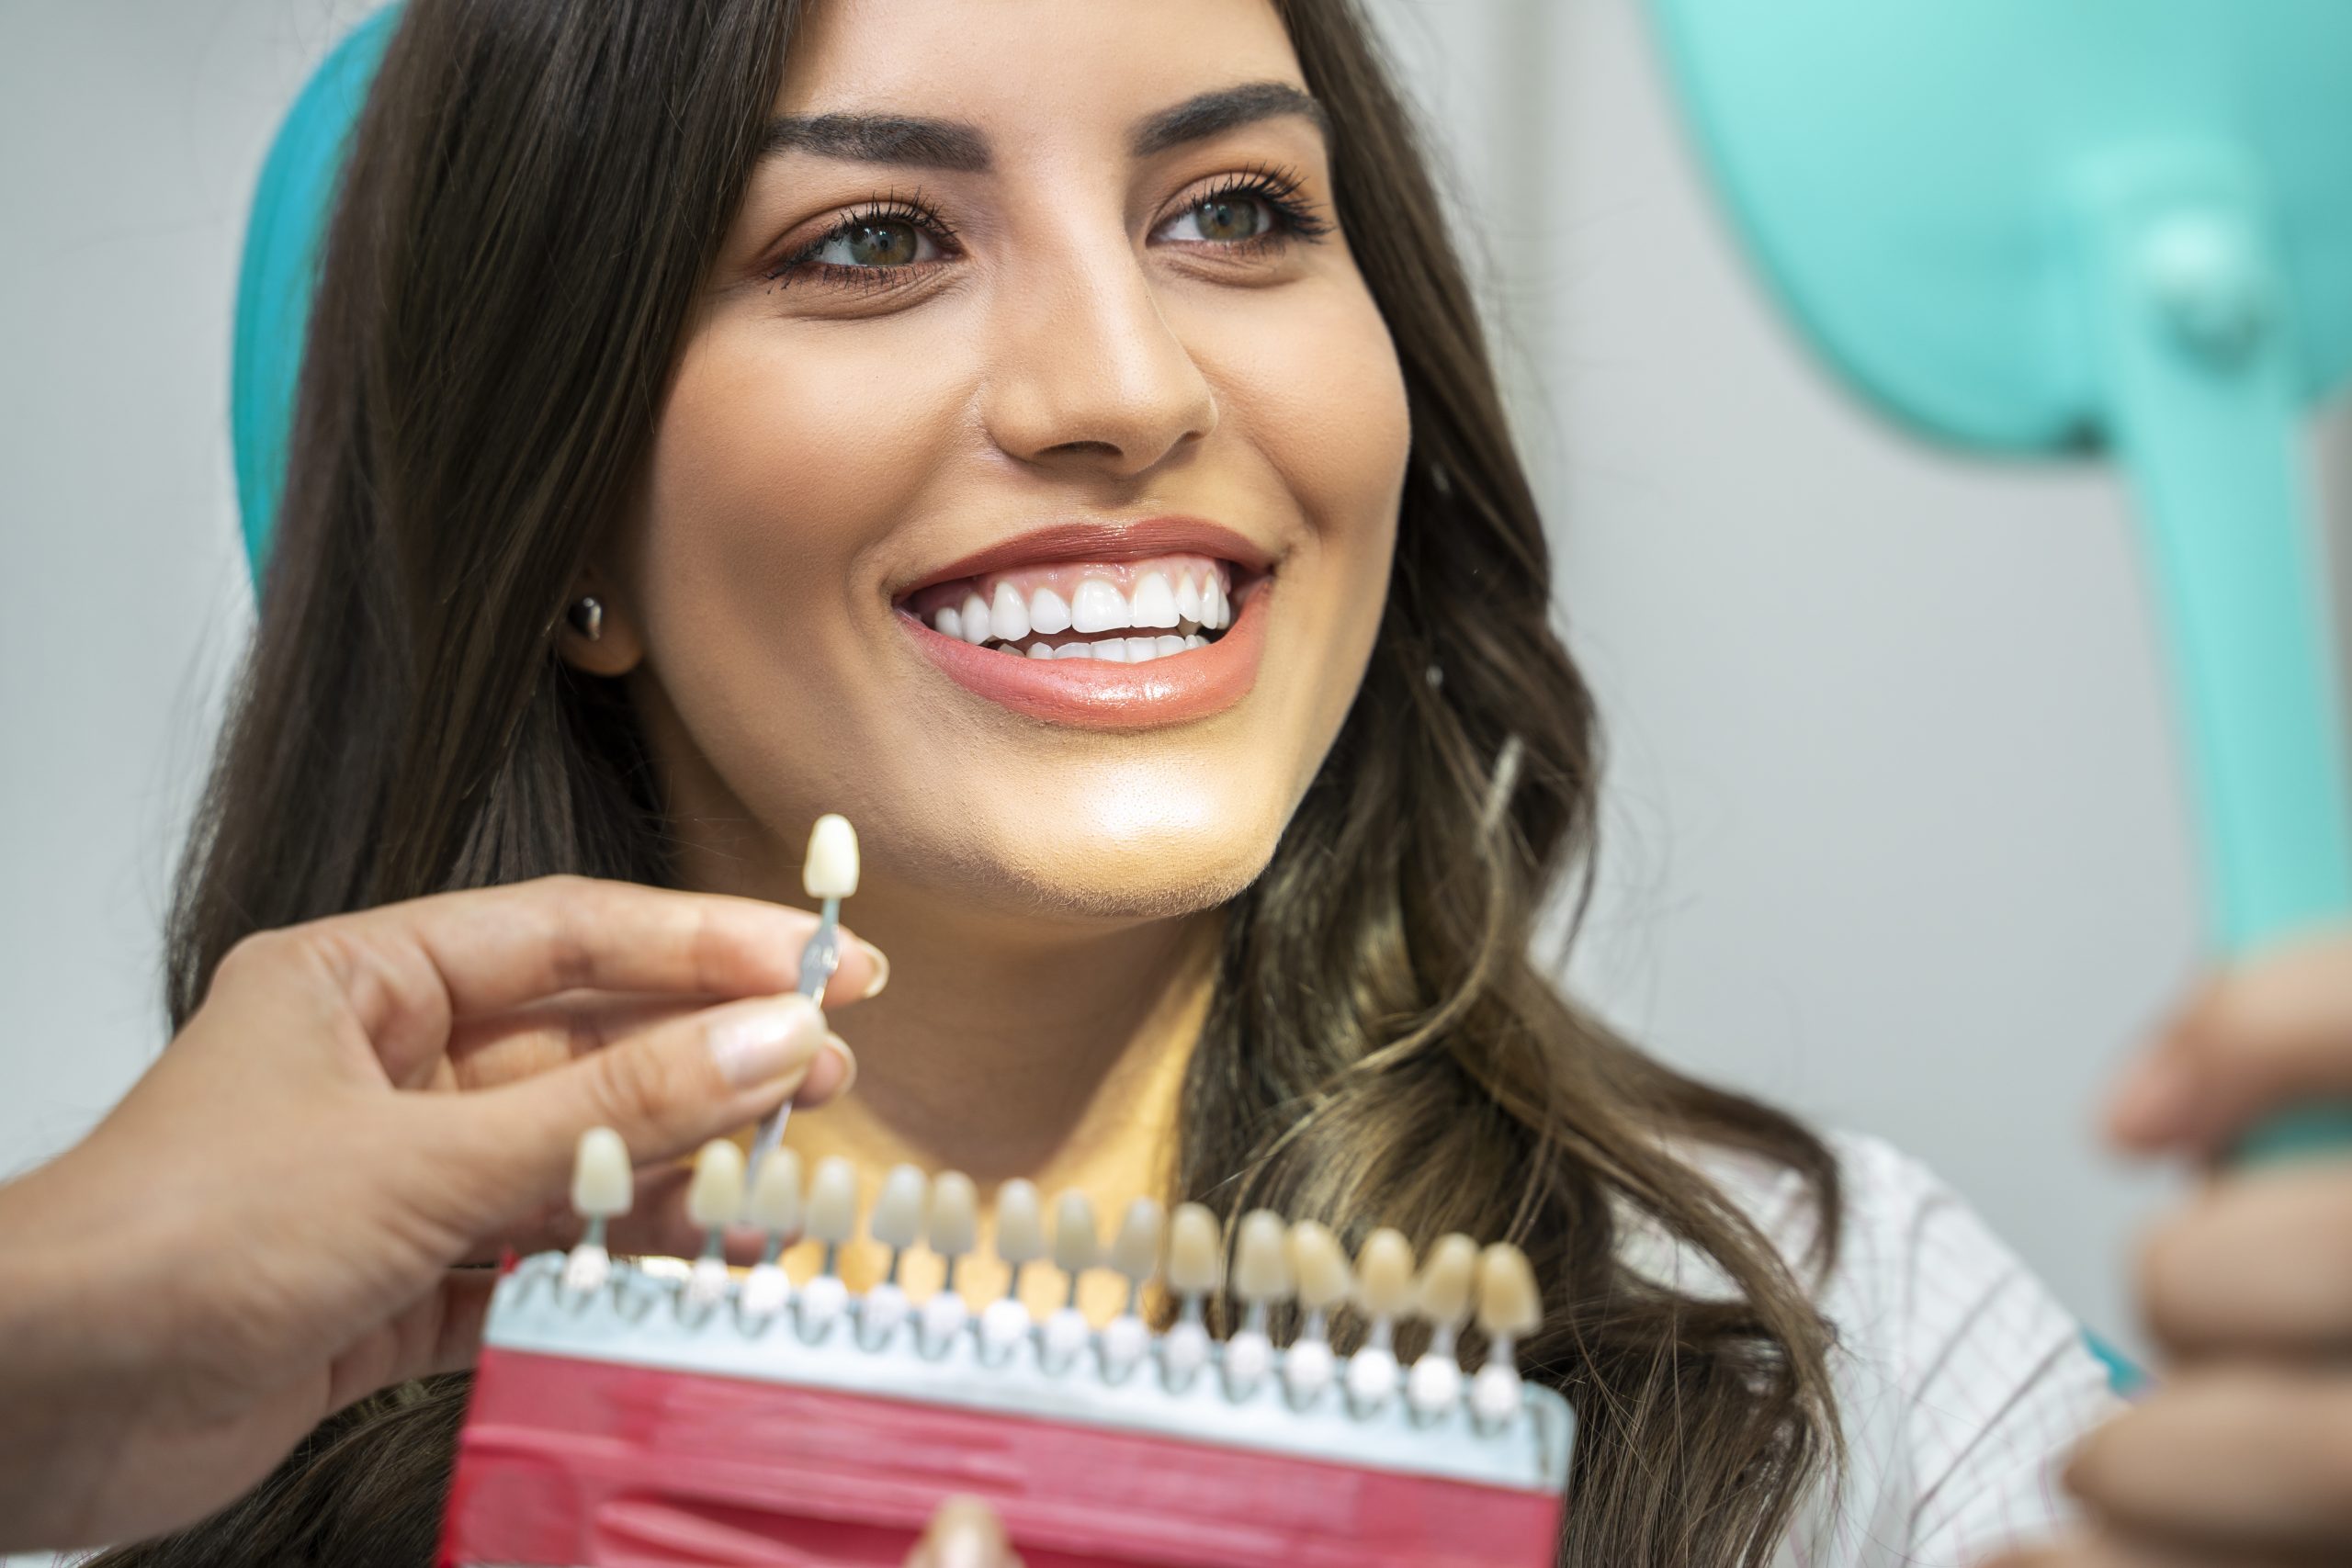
1007, 1044
1004, 1047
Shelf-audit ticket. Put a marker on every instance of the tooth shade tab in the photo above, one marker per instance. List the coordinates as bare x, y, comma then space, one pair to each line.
1195, 1252
602, 1184
830, 870
775, 1204
1384, 1273
951, 1227
1020, 1223
1444, 1293
897, 1219
714, 1196
1320, 1266
1078, 1246
1510, 1306
833, 1201
1261, 1261
1134, 1251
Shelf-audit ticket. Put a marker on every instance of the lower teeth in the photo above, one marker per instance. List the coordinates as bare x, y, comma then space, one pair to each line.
1109, 649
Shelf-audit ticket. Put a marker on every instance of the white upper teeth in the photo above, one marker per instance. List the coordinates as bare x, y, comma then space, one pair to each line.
1155, 601
1007, 617
1097, 606
1048, 612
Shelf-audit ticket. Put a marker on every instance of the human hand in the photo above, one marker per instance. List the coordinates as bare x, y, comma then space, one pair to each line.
264, 1229
2242, 1454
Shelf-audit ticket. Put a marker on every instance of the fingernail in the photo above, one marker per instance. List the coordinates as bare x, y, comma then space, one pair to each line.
759, 1041
966, 1536
830, 1074
881, 968
2151, 1104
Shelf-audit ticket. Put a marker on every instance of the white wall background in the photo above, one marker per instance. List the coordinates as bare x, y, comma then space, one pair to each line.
1893, 832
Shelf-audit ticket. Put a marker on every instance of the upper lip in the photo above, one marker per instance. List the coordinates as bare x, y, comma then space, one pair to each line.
1090, 540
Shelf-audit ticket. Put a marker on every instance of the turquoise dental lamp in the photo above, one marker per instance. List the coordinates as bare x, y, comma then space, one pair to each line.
2121, 227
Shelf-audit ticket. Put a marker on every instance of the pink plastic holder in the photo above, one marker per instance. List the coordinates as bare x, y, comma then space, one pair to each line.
626, 1428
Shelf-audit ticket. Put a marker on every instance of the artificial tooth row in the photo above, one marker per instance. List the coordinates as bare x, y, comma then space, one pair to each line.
1273, 1261
1096, 605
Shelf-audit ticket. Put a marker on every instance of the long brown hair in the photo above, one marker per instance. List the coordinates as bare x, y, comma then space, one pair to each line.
535, 191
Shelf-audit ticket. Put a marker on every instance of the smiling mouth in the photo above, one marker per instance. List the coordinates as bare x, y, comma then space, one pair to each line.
1127, 612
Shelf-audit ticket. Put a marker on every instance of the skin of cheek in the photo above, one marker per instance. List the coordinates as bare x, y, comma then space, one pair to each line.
779, 684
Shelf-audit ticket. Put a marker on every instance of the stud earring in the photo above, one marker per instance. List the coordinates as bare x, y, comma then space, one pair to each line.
588, 616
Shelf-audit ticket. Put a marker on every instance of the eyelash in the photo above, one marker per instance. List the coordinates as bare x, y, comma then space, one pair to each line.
1278, 188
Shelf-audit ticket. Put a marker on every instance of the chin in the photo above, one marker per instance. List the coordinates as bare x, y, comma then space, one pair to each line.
1122, 855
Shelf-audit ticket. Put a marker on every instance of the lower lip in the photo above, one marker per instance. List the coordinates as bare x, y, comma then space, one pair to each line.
1099, 695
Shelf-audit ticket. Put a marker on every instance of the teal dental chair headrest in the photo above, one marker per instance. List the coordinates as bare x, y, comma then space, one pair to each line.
274, 281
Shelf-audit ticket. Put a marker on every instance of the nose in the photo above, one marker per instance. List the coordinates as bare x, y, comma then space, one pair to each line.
1088, 373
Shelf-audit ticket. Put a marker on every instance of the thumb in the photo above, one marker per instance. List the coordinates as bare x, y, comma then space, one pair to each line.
666, 1091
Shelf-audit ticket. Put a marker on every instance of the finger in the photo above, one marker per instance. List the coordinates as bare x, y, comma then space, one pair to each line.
509, 1047
963, 1533
2257, 1263
2257, 1458
665, 1093
2264, 1034
412, 969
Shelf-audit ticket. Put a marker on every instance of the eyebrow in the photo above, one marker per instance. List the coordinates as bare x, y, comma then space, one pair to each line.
909, 141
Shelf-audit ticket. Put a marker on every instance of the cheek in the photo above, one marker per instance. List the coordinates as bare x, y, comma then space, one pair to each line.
1323, 397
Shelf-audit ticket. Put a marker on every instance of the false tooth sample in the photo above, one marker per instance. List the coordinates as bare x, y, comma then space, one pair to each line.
713, 1200
1320, 1266
602, 1187
1509, 1307
1260, 1278
1383, 1289
950, 1227
1195, 1258
775, 1208
1444, 1300
896, 1224
833, 1219
1134, 1257
1019, 1240
1078, 1246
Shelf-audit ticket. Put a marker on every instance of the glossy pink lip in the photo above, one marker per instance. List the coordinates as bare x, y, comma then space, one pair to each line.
1101, 695
1104, 542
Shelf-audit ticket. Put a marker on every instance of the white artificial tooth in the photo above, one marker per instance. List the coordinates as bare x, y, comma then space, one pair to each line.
602, 1182
975, 619
1170, 643
1114, 648
1142, 650
1099, 606
1007, 617
1195, 640
1040, 650
948, 621
1074, 651
897, 1219
1048, 612
1188, 599
831, 1215
1020, 1223
1155, 601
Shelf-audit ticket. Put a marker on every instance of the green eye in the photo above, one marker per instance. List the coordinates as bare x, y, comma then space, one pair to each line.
881, 242
1228, 218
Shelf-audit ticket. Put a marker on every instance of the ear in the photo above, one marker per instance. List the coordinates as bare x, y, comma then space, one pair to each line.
615, 649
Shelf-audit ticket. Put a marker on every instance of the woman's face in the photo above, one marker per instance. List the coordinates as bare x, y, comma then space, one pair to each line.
1027, 486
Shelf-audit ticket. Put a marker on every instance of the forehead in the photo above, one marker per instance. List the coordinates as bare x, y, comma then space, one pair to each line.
1051, 68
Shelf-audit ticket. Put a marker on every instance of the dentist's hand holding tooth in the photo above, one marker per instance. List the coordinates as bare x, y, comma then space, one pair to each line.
264, 1229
